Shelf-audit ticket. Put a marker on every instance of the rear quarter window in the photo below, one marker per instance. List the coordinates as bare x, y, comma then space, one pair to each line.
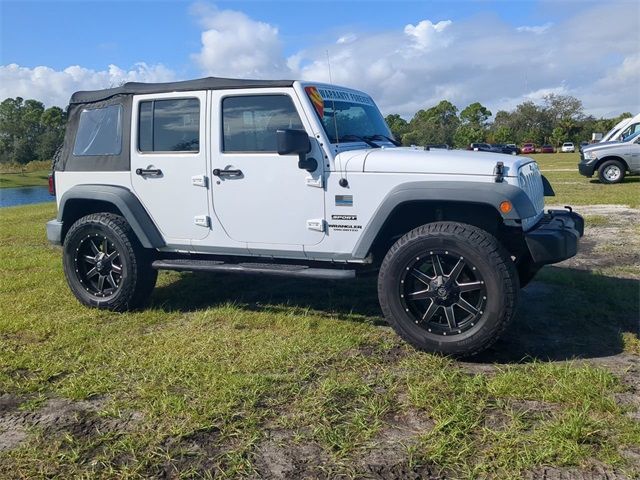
99, 132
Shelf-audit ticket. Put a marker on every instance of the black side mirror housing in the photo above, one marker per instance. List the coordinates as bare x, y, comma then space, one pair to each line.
296, 142
293, 141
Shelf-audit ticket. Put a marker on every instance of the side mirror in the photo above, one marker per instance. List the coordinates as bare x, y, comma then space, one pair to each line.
293, 141
296, 141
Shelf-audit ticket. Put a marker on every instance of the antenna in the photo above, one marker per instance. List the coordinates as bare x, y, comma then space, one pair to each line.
343, 182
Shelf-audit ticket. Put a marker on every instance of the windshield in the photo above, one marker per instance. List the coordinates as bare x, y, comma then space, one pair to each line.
348, 117
611, 133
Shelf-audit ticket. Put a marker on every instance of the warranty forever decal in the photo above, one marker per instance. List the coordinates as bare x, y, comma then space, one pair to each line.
316, 99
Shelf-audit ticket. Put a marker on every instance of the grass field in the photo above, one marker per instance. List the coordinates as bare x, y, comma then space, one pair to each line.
242, 377
573, 189
27, 179
33, 174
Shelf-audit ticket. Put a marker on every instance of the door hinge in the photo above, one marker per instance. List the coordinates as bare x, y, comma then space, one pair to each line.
315, 182
200, 181
317, 224
202, 220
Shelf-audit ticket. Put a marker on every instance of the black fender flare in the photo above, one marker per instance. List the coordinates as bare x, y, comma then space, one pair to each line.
126, 202
483, 193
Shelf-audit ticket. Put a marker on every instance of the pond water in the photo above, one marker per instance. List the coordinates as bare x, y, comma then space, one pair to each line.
10, 197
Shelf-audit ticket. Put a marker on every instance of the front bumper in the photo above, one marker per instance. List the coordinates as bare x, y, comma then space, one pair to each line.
54, 232
555, 237
586, 169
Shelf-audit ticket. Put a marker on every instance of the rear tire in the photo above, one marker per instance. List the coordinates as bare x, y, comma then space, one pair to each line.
611, 171
105, 265
449, 288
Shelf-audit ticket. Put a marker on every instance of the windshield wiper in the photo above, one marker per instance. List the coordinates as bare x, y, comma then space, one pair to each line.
346, 138
379, 136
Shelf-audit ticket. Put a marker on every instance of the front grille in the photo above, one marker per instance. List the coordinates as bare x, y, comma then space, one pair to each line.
530, 181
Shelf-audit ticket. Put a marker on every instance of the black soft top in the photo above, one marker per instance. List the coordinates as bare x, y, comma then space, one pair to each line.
208, 83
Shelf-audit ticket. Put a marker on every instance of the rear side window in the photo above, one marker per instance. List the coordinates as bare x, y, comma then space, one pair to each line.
169, 125
99, 132
250, 122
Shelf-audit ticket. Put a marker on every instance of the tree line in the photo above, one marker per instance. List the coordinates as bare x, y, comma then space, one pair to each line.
558, 119
29, 131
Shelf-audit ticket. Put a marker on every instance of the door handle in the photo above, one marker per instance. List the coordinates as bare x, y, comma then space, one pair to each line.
227, 173
149, 172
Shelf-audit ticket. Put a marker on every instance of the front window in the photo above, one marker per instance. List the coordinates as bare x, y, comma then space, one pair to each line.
348, 116
630, 131
250, 122
633, 135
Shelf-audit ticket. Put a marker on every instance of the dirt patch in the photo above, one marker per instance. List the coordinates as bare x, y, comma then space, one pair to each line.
594, 473
612, 241
388, 455
387, 355
56, 416
627, 368
199, 451
283, 454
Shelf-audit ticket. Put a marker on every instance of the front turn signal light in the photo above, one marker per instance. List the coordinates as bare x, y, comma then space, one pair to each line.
506, 207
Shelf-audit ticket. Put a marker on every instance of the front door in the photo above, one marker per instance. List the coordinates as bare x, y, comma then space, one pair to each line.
260, 197
634, 156
168, 163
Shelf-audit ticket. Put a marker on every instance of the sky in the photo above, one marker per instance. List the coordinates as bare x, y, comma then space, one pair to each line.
406, 55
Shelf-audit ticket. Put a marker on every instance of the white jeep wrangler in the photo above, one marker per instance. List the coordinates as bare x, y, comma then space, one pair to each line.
304, 180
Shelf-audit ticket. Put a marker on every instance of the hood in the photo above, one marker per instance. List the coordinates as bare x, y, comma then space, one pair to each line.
435, 161
602, 145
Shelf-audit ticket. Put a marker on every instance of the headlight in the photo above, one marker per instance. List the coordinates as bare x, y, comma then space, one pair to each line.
591, 155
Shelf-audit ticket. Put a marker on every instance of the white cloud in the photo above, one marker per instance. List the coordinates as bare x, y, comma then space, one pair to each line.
348, 38
485, 59
235, 45
54, 87
425, 34
405, 68
537, 29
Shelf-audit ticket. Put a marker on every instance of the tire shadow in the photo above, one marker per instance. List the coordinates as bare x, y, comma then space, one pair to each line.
565, 314
626, 179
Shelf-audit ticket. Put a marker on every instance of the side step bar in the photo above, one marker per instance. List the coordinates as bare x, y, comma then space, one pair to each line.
283, 270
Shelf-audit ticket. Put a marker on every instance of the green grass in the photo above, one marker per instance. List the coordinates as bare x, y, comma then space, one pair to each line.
221, 361
571, 188
37, 178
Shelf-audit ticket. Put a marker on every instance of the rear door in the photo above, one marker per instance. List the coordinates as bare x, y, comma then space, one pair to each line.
168, 163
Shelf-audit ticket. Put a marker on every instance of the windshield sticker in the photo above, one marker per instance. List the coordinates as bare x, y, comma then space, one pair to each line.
316, 99
353, 97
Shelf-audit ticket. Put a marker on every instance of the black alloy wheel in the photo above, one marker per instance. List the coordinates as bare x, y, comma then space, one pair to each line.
98, 265
444, 292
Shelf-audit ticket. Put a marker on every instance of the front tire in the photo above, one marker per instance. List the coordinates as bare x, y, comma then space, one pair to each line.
611, 171
105, 265
449, 288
